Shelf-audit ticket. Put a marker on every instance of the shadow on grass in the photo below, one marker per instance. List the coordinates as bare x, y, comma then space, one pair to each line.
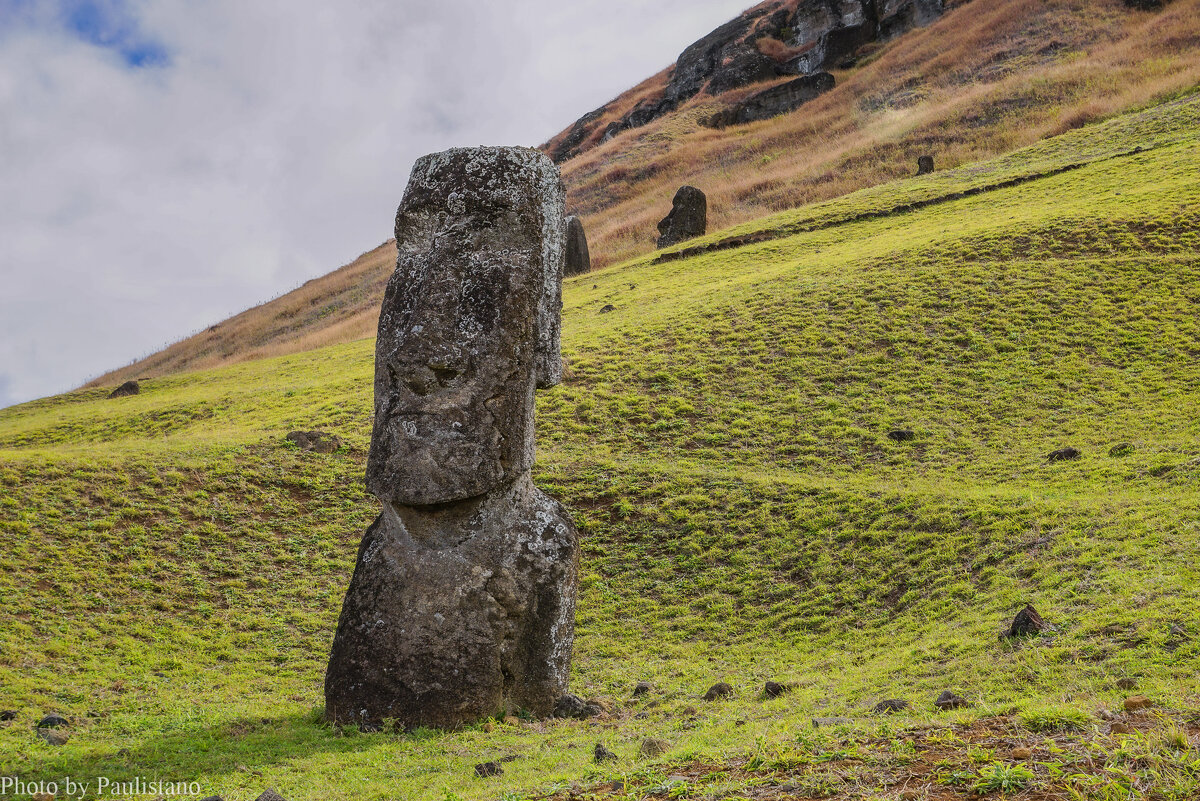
246, 746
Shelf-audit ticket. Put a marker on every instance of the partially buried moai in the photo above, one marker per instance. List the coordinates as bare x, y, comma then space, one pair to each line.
462, 603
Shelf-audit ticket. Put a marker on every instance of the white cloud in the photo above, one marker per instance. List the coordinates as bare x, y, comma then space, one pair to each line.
141, 204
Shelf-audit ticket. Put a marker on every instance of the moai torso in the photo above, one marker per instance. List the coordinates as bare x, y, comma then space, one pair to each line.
462, 601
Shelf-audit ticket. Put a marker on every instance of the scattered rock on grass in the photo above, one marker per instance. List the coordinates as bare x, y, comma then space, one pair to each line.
902, 435
606, 308
1022, 753
948, 700
1120, 728
212, 798
53, 720
603, 754
1121, 449
1136, 702
125, 390
7, 715
485, 769
53, 736
774, 689
1064, 454
890, 706
641, 688
826, 723
1026, 623
1126, 684
270, 794
718, 690
654, 747
315, 441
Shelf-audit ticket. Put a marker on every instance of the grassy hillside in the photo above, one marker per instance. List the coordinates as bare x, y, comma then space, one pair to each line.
173, 569
987, 78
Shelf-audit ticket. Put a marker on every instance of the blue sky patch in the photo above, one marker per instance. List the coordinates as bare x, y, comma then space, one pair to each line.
111, 24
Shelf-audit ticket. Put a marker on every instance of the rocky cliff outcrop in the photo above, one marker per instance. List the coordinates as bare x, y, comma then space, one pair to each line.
773, 39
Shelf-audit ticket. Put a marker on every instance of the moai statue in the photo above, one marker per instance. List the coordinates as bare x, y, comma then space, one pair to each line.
924, 165
578, 260
462, 603
688, 217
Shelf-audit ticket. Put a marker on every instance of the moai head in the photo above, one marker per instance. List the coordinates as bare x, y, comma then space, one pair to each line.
469, 325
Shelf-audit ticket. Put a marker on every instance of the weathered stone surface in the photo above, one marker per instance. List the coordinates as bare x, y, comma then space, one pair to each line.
924, 165
781, 99
774, 689
688, 217
53, 736
485, 770
1064, 454
125, 390
270, 794
315, 441
654, 747
1026, 622
774, 38
902, 435
462, 601
718, 690
890, 706
53, 720
578, 260
949, 700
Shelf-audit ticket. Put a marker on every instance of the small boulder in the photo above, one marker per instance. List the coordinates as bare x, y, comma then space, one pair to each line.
1027, 623
654, 747
125, 390
572, 706
487, 769
1021, 752
641, 688
1121, 449
924, 165
1136, 702
688, 217
315, 441
602, 754
1127, 684
577, 259
890, 706
53, 736
606, 308
7, 715
902, 435
948, 700
1120, 728
774, 689
270, 794
718, 690
1066, 454
53, 720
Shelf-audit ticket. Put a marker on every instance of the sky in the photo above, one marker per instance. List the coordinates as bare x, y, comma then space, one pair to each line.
165, 165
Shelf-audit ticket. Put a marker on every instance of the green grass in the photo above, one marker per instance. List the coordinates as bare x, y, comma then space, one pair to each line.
172, 570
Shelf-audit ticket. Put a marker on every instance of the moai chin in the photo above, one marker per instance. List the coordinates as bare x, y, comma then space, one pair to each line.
462, 603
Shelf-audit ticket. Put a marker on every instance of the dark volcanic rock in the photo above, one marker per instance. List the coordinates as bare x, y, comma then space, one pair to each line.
688, 217
602, 754
125, 390
270, 794
7, 715
462, 603
902, 435
316, 441
924, 165
776, 38
1064, 454
772, 102
485, 769
890, 706
570, 706
774, 689
948, 700
642, 687
578, 260
718, 690
1121, 449
1027, 622
1146, 5
53, 736
53, 720
606, 308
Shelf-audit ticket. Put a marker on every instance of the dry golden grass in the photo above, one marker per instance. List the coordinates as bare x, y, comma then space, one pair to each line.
990, 76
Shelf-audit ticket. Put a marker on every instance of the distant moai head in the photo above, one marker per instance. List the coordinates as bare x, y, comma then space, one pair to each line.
469, 325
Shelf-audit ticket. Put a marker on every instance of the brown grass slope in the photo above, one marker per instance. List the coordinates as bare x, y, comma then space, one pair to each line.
988, 77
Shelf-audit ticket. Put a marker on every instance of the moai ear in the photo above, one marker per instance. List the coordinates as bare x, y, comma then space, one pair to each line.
548, 371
